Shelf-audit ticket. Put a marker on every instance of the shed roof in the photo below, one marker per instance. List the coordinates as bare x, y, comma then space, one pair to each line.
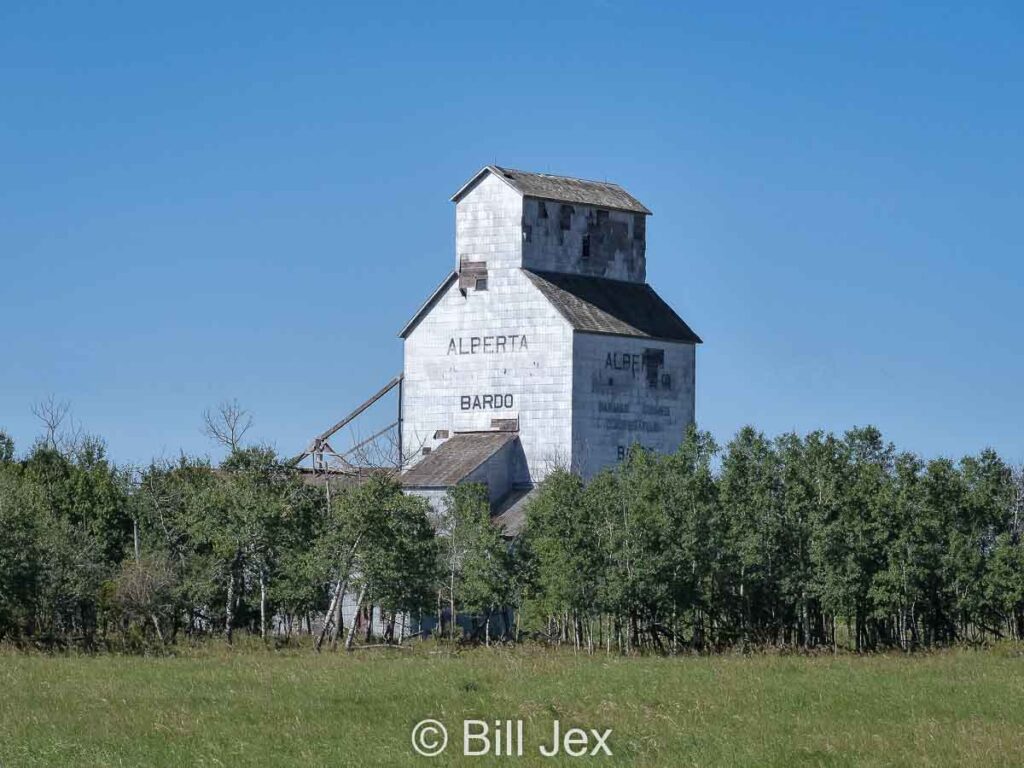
510, 516
617, 307
567, 189
456, 459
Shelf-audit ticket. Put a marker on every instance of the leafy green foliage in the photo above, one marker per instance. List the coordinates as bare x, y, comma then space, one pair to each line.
479, 576
396, 553
812, 541
804, 541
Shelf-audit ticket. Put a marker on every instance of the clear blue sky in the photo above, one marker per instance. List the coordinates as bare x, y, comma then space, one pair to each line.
204, 200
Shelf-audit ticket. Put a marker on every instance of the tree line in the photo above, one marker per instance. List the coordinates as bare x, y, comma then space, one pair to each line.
810, 542
815, 541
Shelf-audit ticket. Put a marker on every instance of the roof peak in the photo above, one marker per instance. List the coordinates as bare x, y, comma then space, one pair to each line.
547, 175
568, 189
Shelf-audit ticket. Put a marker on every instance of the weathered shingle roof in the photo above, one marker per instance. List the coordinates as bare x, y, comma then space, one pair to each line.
604, 194
600, 305
456, 458
510, 516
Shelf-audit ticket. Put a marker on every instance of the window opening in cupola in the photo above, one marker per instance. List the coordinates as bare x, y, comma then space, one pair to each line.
565, 217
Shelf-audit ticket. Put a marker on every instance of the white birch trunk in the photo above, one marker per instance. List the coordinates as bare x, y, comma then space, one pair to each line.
352, 629
263, 604
229, 612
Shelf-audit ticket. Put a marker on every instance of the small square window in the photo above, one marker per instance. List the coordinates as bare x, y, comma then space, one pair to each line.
481, 284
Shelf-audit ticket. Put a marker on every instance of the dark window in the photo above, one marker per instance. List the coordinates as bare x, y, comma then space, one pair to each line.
481, 284
639, 227
527, 233
585, 253
565, 217
602, 217
542, 209
654, 359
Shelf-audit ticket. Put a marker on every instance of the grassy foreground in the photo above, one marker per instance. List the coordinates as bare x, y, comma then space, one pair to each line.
215, 707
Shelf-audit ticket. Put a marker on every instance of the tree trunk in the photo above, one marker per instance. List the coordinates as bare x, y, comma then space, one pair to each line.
263, 604
369, 623
333, 611
339, 619
352, 629
229, 612
156, 626
451, 604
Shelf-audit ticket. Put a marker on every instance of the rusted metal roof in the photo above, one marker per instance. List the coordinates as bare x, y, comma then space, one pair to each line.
456, 459
600, 305
603, 194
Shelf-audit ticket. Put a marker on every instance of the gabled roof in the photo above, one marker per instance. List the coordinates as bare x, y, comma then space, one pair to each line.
456, 459
600, 305
428, 303
546, 186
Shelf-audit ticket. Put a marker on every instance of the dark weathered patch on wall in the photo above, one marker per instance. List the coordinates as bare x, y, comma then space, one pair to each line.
654, 361
604, 239
584, 239
473, 274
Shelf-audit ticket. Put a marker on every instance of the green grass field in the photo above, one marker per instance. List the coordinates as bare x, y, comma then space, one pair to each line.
214, 707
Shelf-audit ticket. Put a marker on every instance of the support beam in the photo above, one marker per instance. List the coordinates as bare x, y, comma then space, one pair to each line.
320, 441
368, 440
